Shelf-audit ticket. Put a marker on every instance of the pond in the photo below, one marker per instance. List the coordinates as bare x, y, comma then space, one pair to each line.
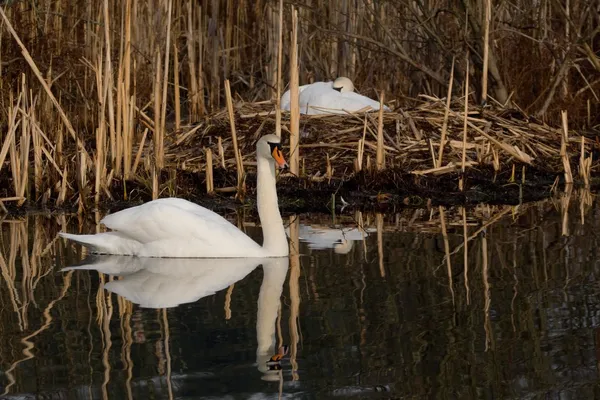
406, 312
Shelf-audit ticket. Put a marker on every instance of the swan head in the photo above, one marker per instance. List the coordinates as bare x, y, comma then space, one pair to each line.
343, 84
269, 148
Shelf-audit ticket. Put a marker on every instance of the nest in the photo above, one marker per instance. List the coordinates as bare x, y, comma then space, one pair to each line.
338, 146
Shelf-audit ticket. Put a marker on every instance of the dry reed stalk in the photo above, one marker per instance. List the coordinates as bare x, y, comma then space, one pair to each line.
210, 187
62, 195
163, 111
238, 159
193, 90
107, 93
486, 51
563, 148
279, 72
464, 149
156, 138
294, 98
176, 88
154, 183
380, 156
13, 111
445, 124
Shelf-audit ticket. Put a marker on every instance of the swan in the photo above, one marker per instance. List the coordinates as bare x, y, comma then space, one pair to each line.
166, 283
335, 97
173, 227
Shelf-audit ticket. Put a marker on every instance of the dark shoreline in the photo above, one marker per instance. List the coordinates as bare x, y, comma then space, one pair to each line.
386, 191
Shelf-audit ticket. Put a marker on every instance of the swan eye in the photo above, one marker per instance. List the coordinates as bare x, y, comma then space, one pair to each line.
277, 154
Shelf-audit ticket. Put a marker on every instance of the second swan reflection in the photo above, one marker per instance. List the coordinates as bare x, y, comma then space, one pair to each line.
169, 282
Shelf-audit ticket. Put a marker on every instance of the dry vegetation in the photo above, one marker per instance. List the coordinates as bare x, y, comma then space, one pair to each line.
100, 98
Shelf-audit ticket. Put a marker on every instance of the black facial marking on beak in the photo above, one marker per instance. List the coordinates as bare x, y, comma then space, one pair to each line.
339, 89
277, 154
274, 146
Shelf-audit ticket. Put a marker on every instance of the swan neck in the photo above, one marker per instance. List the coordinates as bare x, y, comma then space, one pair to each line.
275, 241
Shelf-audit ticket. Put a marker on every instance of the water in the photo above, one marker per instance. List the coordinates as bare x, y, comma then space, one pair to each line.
379, 319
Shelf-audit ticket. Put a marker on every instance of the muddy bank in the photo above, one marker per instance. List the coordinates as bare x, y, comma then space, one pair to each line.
385, 191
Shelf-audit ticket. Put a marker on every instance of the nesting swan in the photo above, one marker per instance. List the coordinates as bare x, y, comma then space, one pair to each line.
173, 227
337, 97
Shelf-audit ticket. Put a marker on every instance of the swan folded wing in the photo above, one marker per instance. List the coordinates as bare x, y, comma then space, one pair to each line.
285, 102
191, 228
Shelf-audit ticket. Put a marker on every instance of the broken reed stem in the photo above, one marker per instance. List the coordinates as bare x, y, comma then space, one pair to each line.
446, 113
461, 182
279, 62
294, 98
221, 152
380, 164
238, 159
585, 164
210, 187
139, 152
563, 148
486, 51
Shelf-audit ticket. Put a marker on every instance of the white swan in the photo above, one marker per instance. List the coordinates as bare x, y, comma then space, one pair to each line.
175, 227
335, 97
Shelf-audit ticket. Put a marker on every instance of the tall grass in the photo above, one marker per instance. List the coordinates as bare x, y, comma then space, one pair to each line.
113, 78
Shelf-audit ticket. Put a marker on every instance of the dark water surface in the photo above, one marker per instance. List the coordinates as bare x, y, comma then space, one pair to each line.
378, 319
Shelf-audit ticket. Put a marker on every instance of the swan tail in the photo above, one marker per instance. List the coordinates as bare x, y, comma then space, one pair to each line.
105, 243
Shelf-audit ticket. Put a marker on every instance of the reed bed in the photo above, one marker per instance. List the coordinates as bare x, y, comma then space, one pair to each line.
114, 100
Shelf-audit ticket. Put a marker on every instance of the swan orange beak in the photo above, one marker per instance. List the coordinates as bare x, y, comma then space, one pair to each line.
278, 156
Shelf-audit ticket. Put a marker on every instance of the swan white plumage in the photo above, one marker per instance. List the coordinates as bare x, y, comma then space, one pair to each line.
174, 227
335, 97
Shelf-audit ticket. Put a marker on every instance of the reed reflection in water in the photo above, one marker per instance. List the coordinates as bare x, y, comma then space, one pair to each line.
399, 313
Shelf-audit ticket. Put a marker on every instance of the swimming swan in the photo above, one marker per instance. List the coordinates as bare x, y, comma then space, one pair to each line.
173, 227
335, 97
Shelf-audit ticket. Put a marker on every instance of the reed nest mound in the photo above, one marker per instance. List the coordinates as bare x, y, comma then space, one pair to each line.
509, 157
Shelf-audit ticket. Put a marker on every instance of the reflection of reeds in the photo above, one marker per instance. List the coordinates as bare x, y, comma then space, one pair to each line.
466, 255
26, 341
294, 293
447, 251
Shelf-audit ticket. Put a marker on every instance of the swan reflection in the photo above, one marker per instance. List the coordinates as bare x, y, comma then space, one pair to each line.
168, 282
341, 240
